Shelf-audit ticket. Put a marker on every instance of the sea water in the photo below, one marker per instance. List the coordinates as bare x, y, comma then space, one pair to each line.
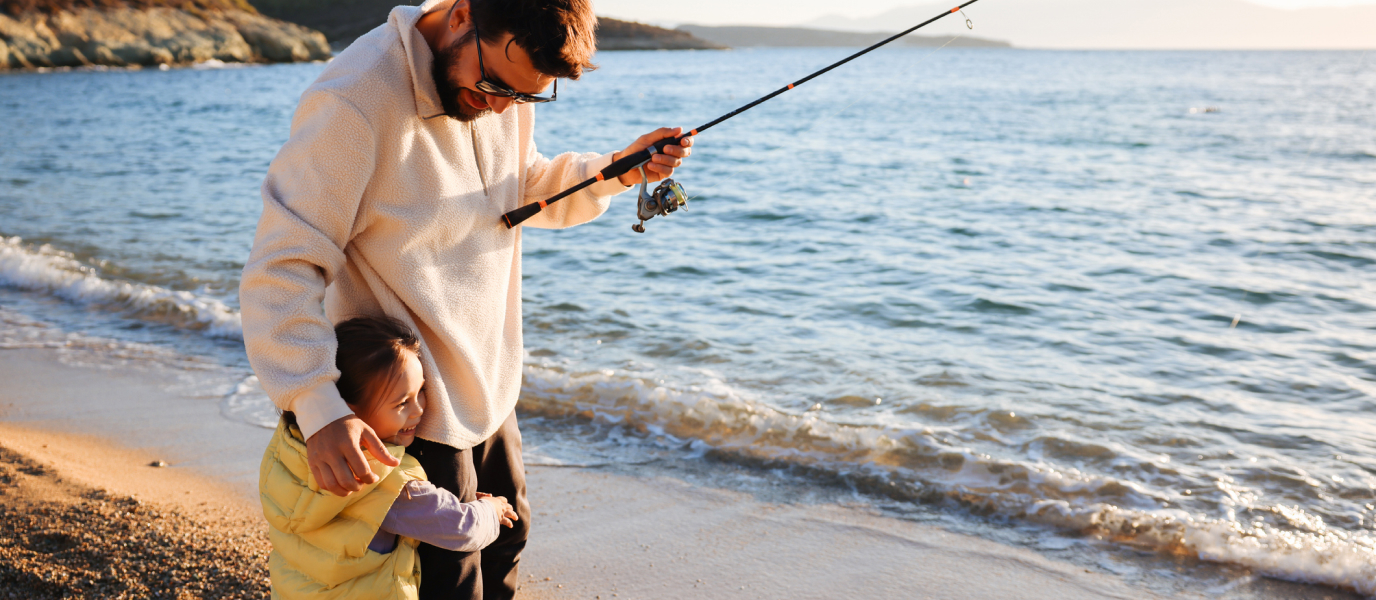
1120, 296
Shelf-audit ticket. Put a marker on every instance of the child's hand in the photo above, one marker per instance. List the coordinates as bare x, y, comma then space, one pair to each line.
505, 513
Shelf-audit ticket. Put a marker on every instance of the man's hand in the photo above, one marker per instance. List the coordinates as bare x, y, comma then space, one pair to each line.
505, 513
662, 164
336, 457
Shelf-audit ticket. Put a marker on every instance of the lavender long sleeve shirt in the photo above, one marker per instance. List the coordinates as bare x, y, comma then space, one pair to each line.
435, 516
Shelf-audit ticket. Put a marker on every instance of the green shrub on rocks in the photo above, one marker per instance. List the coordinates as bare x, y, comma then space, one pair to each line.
73, 33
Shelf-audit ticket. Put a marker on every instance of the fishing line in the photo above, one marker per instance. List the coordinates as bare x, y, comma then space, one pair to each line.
847, 107
670, 196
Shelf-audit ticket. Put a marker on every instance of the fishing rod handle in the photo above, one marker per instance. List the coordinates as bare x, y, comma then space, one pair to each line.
618, 168
518, 216
628, 163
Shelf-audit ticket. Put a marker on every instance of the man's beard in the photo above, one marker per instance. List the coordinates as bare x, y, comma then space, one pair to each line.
449, 90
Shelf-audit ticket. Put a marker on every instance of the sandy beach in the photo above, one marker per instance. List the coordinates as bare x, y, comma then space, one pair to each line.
86, 519
87, 513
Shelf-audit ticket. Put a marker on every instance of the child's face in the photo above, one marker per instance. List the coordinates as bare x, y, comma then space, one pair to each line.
395, 411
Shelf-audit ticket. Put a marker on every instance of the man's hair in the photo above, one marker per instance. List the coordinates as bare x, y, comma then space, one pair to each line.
559, 35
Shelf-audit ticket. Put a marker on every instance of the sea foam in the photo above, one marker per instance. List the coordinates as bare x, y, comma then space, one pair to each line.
929, 464
47, 270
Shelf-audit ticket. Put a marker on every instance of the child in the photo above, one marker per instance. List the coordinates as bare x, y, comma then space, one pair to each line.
364, 545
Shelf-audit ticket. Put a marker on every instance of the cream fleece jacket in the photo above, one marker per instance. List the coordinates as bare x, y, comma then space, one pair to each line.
380, 204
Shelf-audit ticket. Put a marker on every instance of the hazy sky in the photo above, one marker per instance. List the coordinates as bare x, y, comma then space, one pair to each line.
790, 12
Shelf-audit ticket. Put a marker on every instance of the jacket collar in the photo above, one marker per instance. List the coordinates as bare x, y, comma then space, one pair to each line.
418, 56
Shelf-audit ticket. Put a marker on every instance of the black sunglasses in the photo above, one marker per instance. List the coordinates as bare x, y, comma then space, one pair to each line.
487, 86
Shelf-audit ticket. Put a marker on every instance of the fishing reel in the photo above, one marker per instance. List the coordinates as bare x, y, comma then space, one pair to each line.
666, 198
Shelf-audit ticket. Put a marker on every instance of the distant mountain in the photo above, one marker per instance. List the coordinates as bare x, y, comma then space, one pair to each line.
746, 36
1144, 24
615, 34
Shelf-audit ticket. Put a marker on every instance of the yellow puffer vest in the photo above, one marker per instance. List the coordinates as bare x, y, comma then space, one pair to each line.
320, 541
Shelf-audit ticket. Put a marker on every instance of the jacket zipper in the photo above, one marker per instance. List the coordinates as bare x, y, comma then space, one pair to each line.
477, 157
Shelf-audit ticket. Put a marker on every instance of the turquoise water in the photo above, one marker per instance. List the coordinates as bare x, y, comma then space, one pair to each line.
1124, 295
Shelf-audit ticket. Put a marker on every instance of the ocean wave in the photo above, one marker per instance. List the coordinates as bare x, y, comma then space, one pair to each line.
248, 403
47, 270
926, 465
195, 376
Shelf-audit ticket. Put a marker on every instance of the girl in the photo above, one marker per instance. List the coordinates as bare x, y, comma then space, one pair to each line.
364, 545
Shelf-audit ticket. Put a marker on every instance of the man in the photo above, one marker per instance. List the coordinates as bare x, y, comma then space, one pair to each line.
386, 200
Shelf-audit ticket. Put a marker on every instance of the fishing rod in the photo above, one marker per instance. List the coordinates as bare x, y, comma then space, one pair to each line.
669, 196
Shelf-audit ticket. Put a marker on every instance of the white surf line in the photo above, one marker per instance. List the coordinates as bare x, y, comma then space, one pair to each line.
715, 416
50, 271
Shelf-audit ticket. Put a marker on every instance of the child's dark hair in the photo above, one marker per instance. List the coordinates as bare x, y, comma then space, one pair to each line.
369, 356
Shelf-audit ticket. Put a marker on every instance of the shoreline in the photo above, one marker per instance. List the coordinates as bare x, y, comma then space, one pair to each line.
598, 533
702, 541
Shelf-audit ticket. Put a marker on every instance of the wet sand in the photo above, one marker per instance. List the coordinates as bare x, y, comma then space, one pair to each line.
612, 536
91, 519
93, 433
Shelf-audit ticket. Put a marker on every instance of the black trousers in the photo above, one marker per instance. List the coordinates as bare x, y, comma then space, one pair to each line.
493, 467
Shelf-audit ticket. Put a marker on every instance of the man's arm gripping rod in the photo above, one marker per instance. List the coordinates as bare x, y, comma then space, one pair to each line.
626, 163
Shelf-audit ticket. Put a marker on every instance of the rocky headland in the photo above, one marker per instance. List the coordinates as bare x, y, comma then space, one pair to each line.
76, 33
343, 20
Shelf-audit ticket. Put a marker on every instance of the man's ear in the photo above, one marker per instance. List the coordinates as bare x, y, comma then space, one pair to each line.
458, 14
